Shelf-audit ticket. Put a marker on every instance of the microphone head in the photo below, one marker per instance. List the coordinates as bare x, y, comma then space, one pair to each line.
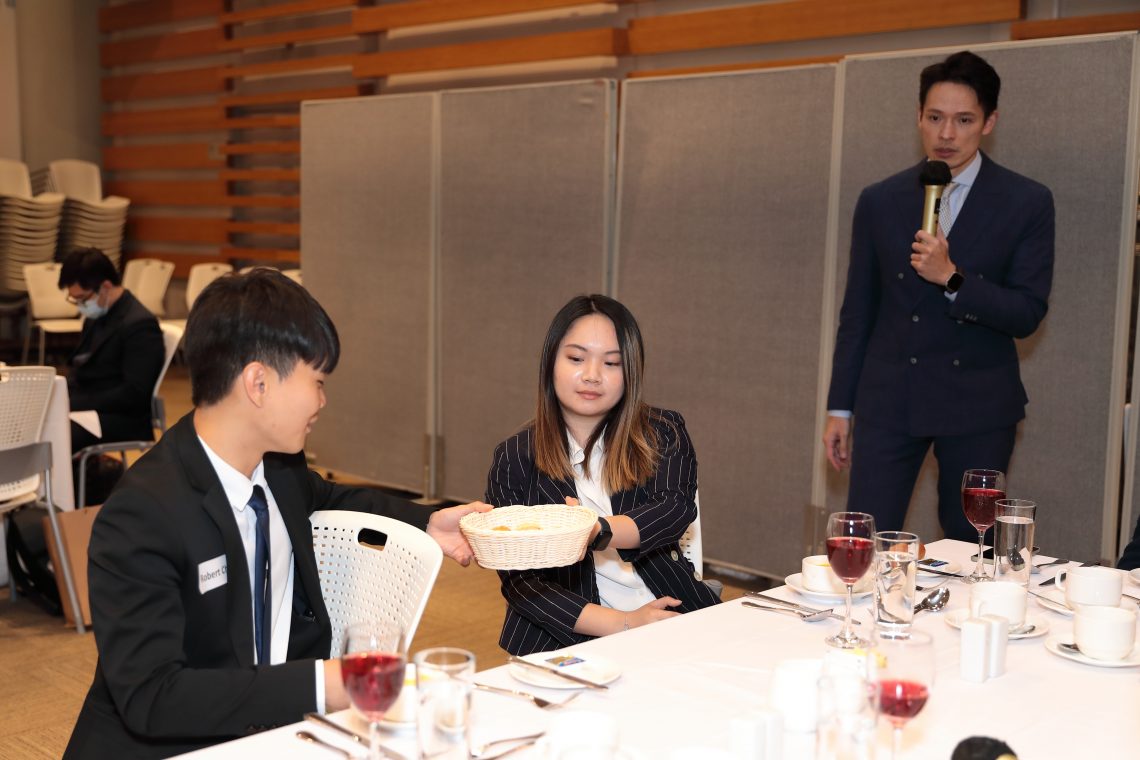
935, 173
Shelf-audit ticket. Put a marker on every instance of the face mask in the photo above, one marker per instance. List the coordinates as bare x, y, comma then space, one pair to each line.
91, 308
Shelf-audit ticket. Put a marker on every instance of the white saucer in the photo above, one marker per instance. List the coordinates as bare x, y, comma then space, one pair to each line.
1135, 576
1054, 601
795, 583
954, 619
938, 563
1131, 661
597, 669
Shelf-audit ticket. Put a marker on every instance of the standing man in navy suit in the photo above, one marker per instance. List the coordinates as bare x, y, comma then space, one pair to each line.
925, 350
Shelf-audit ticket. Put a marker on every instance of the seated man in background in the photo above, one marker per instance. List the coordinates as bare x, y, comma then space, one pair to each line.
120, 353
204, 590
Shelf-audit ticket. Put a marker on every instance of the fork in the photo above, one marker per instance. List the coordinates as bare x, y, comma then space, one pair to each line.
1054, 562
537, 700
479, 750
810, 617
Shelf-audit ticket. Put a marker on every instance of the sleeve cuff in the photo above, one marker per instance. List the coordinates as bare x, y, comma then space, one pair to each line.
844, 413
320, 673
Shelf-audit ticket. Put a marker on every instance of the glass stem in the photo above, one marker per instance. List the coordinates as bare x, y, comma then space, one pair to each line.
374, 740
896, 742
847, 619
980, 569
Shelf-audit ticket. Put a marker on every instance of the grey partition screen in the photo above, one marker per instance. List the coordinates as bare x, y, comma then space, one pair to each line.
366, 243
526, 181
722, 218
1066, 118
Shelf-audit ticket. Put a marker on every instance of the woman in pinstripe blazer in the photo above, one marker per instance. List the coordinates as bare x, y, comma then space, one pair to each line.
594, 441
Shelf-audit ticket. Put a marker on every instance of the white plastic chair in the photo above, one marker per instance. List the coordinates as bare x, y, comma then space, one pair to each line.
76, 179
360, 581
14, 179
294, 275
148, 280
201, 275
49, 310
171, 337
693, 548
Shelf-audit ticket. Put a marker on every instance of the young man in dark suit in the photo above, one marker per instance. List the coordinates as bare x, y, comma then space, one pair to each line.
120, 353
205, 597
925, 350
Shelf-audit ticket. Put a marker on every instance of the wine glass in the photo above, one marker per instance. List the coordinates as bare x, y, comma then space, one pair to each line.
849, 552
372, 667
980, 491
902, 669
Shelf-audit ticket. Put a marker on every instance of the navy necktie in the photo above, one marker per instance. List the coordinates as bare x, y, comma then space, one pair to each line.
262, 579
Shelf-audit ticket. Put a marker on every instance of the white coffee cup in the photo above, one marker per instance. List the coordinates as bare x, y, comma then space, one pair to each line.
1003, 598
818, 576
1091, 585
1104, 633
793, 693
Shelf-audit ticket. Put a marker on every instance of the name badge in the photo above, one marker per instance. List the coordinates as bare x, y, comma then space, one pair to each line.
212, 574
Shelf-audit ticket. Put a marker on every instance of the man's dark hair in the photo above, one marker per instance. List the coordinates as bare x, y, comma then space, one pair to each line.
968, 69
259, 316
87, 268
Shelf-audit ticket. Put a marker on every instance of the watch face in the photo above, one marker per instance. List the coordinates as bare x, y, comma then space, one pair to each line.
955, 282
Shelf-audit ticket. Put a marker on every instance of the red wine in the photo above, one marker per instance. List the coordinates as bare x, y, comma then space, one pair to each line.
850, 556
901, 700
979, 506
373, 681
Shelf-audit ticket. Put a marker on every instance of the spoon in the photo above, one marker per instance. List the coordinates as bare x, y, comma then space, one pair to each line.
312, 739
1071, 648
934, 601
1054, 562
1022, 630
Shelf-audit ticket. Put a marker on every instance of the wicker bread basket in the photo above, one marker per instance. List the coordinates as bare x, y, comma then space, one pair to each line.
548, 535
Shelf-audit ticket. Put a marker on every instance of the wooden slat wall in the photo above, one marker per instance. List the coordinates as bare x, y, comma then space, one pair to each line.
208, 91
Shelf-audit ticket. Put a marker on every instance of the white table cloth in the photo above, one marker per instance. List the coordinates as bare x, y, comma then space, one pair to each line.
685, 679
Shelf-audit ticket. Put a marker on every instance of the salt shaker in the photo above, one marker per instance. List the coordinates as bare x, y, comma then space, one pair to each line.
975, 657
997, 639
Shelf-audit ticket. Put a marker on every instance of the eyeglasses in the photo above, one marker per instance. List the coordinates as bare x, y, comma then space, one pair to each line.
82, 299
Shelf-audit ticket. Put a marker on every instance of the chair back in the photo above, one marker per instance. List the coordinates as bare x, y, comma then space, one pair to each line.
363, 581
148, 280
76, 179
171, 337
45, 299
690, 542
202, 275
294, 275
14, 179
24, 395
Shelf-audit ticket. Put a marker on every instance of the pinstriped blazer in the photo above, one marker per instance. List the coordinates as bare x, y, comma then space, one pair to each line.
543, 605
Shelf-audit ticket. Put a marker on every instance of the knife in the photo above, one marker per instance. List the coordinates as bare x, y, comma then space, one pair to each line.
935, 571
795, 606
358, 738
555, 672
1051, 581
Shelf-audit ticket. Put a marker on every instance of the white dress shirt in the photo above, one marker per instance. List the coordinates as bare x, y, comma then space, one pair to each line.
238, 489
619, 585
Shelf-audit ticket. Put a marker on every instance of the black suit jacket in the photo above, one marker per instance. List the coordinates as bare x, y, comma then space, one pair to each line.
115, 367
544, 605
908, 358
175, 670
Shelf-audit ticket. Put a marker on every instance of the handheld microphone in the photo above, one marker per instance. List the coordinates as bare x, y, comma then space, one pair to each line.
935, 176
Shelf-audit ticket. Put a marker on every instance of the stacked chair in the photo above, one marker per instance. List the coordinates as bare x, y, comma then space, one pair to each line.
89, 219
148, 280
29, 226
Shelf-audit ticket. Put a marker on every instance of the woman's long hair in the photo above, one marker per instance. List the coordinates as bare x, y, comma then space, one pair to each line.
630, 442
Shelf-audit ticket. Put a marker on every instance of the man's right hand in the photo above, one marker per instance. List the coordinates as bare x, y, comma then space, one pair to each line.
336, 698
837, 442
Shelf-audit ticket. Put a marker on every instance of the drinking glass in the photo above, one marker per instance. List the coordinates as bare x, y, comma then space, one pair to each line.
847, 709
849, 552
443, 683
896, 555
1013, 540
372, 667
980, 491
902, 668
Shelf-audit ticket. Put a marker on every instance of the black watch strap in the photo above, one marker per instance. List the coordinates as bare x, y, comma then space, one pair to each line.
954, 282
602, 540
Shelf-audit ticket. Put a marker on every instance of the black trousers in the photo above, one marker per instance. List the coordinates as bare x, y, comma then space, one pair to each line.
885, 466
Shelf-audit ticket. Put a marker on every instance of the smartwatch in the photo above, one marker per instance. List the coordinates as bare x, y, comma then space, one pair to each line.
954, 282
602, 540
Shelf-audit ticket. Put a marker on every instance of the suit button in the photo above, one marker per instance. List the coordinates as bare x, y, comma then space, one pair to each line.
981, 277
913, 360
674, 555
914, 318
955, 362
959, 321
900, 275
696, 575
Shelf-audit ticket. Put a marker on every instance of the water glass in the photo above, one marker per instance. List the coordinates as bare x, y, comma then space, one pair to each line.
847, 712
1013, 540
896, 555
443, 683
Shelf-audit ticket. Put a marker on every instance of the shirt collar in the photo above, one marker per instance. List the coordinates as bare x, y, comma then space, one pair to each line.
967, 176
237, 486
578, 454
